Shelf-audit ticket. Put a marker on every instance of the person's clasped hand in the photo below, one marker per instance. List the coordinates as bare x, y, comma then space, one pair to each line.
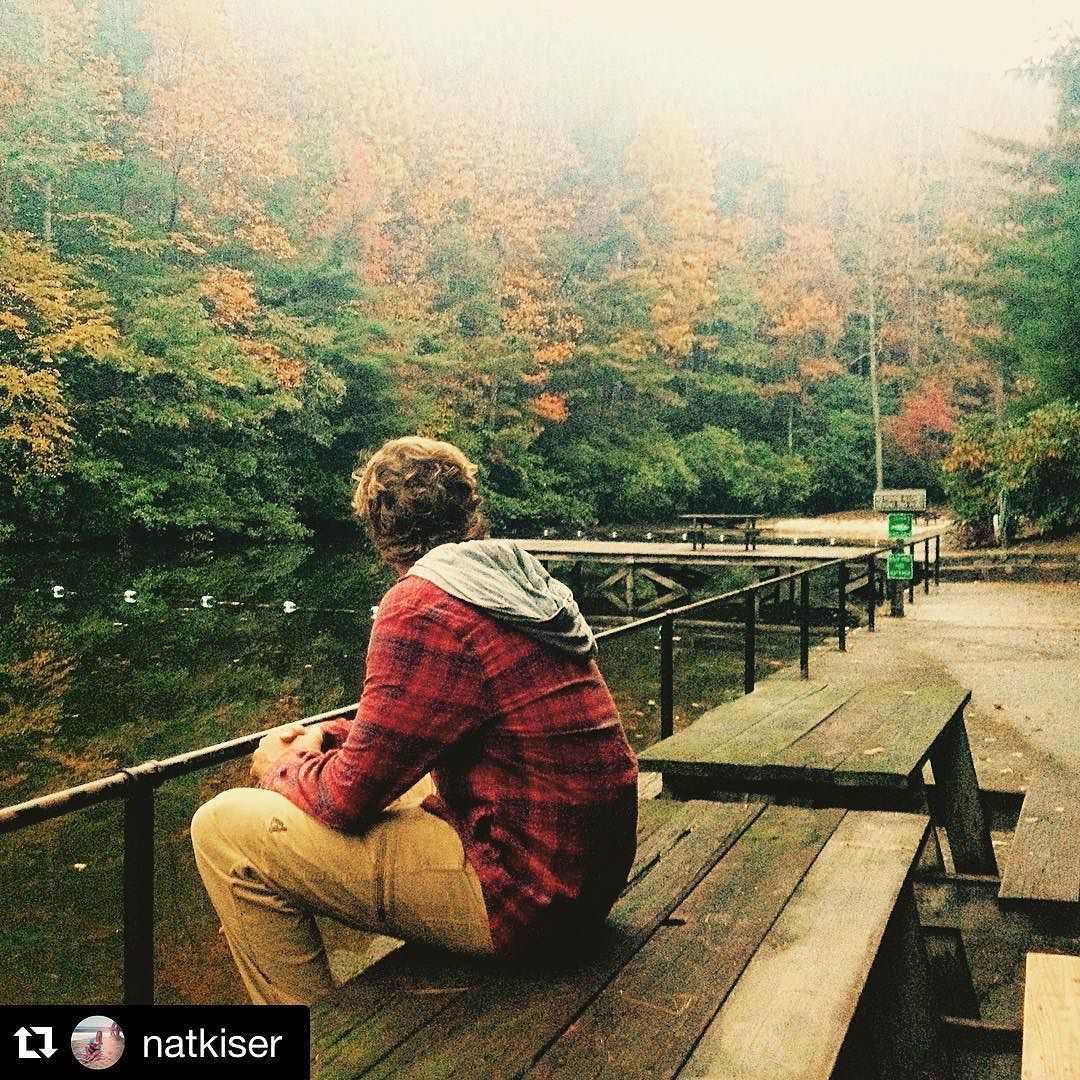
276, 743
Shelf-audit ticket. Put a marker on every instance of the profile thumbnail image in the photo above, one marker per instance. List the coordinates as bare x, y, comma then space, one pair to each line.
97, 1042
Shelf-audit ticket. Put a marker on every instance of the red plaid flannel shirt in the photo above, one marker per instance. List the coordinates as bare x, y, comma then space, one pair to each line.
526, 748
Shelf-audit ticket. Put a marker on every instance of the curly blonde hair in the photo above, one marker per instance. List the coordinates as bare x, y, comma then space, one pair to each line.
414, 494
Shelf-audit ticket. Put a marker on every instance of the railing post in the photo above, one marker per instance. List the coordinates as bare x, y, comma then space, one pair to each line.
937, 560
804, 625
139, 894
667, 677
896, 590
871, 582
911, 582
926, 567
841, 607
749, 640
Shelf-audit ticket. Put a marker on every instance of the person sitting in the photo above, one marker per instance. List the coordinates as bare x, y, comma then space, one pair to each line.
480, 672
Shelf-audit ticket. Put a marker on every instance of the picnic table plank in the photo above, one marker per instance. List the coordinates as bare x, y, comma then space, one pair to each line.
1051, 1018
1044, 858
914, 718
642, 1023
772, 735
816, 954
500, 1026
699, 743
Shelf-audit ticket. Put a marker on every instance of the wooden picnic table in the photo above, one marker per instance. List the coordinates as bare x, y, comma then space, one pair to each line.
839, 744
752, 942
698, 521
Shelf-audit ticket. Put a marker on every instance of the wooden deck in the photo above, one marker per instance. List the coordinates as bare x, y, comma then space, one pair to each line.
752, 942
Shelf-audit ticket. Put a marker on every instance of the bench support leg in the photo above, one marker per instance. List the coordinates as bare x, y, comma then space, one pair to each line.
897, 1018
962, 810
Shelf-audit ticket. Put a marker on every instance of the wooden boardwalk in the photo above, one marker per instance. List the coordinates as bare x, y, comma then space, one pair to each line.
662, 552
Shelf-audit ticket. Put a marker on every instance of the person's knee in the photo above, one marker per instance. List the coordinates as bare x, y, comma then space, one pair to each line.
223, 819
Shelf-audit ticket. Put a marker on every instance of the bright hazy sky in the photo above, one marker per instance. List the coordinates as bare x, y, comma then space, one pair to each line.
983, 35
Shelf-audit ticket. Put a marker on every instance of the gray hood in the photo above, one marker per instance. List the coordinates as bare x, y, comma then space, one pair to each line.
509, 584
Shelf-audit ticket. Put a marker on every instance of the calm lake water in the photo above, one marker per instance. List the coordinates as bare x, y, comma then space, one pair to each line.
92, 681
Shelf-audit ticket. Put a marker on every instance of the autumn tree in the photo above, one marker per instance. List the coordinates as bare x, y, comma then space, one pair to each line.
49, 316
59, 99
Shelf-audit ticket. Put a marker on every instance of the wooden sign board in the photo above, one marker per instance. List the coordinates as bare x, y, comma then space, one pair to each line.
888, 500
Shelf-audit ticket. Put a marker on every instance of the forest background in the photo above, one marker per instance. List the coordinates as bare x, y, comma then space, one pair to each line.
240, 244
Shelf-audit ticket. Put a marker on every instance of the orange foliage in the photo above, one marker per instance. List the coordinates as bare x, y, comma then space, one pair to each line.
551, 407
925, 414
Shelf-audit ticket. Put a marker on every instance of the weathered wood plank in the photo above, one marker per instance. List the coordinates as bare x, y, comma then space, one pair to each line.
879, 737
1044, 858
698, 743
961, 803
502, 1025
911, 722
788, 1014
898, 1006
773, 735
644, 1022
409, 988
1051, 1018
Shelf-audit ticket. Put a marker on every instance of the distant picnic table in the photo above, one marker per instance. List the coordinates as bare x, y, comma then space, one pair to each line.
699, 521
838, 744
753, 942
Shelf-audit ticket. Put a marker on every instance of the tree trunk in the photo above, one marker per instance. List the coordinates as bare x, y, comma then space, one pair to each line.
875, 400
46, 224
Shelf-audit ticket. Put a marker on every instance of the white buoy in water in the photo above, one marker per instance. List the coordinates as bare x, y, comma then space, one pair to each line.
58, 592
207, 601
129, 596
288, 607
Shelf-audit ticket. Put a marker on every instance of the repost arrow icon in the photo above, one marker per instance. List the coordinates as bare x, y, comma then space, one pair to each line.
27, 1051
48, 1049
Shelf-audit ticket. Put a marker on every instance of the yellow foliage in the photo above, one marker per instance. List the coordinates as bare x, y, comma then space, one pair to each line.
230, 295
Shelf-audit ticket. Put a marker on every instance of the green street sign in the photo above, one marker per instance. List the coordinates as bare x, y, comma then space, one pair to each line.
900, 567
899, 526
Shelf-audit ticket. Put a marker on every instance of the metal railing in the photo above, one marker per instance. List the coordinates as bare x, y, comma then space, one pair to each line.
136, 785
665, 620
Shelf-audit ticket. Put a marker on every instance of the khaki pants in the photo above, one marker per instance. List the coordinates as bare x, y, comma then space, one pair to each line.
270, 869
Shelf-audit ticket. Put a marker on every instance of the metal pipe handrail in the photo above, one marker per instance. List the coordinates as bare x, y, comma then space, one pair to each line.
136, 785
116, 785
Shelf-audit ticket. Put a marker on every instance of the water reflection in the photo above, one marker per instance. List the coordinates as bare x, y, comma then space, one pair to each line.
91, 682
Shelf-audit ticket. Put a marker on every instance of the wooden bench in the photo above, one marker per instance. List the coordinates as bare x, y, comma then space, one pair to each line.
1051, 1017
1043, 862
752, 942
